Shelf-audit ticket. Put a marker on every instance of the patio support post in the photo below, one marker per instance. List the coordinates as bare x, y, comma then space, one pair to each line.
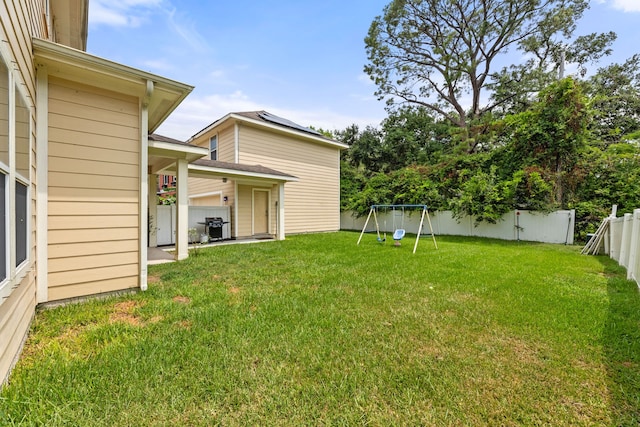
153, 211
143, 201
182, 210
280, 235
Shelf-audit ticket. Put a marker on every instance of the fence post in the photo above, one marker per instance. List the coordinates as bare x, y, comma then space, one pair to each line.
626, 240
633, 245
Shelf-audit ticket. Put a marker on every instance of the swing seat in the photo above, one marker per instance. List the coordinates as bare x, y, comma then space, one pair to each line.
398, 234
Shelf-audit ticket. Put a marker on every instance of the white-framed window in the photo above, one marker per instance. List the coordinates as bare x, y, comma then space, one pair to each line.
213, 147
4, 177
22, 132
15, 181
4, 225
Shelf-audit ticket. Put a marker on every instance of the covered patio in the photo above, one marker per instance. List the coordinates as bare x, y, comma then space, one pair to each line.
171, 157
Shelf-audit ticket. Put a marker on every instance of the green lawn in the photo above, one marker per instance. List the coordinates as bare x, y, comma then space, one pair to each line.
318, 331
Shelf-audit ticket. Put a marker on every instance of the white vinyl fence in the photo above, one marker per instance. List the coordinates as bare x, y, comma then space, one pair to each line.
623, 243
166, 221
555, 227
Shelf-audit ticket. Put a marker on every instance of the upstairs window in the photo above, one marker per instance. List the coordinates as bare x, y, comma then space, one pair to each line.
213, 147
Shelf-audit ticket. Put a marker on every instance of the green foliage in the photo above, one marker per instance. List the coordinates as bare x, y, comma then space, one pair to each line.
168, 197
551, 135
609, 177
483, 196
531, 190
614, 92
407, 137
351, 182
527, 140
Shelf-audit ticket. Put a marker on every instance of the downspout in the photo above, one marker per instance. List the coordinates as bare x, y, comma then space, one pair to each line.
143, 222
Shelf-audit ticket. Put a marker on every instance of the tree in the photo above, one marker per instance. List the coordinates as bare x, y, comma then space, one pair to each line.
615, 97
553, 133
365, 147
441, 54
411, 135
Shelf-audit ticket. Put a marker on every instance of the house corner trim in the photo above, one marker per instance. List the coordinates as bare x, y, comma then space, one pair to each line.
42, 172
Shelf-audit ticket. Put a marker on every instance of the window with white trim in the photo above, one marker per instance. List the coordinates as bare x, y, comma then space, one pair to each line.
3, 229
4, 177
15, 181
23, 149
213, 147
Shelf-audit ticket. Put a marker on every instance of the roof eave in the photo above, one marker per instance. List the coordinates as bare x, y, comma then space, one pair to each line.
233, 174
76, 65
182, 151
274, 127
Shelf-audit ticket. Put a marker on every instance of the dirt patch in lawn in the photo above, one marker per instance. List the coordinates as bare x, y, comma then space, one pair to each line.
123, 312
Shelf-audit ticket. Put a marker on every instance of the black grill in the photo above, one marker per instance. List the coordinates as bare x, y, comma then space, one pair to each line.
214, 225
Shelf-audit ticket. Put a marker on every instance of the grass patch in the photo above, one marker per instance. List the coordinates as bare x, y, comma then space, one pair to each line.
316, 330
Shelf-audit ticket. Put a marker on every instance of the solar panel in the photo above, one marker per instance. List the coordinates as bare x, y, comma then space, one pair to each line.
284, 122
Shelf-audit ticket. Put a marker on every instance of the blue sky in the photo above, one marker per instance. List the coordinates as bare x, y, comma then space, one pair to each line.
297, 59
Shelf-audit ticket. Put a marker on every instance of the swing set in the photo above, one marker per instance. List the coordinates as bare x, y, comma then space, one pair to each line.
398, 233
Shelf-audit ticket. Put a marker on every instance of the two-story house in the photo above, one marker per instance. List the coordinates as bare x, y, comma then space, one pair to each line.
262, 138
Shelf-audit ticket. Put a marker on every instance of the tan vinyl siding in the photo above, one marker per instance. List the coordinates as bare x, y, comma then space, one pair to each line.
199, 186
16, 30
214, 200
94, 151
226, 143
37, 19
16, 313
313, 203
226, 153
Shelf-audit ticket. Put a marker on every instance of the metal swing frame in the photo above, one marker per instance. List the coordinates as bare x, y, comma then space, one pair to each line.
425, 213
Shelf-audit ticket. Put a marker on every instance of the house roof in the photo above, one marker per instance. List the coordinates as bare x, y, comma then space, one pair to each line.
162, 138
266, 120
164, 151
246, 169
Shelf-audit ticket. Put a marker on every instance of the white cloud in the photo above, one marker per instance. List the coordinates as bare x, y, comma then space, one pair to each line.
158, 65
365, 78
121, 13
186, 30
624, 5
135, 13
195, 113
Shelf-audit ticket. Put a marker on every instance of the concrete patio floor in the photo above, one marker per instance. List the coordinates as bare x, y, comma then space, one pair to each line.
164, 254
